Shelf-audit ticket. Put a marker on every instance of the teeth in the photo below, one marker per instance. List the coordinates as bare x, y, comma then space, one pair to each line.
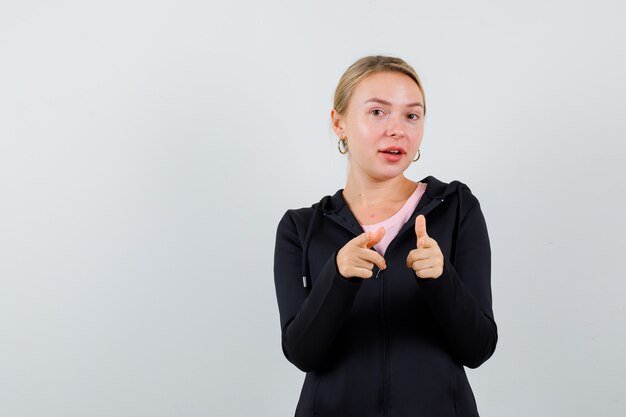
394, 152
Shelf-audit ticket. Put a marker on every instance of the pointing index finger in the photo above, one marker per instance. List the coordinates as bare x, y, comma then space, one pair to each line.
364, 239
376, 237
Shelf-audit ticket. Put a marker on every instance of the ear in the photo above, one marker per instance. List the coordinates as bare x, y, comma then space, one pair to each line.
337, 122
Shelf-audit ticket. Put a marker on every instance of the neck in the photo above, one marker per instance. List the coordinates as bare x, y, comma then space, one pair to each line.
364, 191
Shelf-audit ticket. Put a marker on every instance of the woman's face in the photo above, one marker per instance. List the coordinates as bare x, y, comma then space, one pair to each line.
385, 113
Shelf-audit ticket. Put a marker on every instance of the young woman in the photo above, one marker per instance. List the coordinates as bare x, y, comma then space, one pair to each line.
384, 288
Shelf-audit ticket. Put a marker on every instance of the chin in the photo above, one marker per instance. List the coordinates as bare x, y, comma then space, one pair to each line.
390, 174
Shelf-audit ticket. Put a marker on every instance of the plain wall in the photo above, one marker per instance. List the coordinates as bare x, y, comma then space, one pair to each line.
149, 148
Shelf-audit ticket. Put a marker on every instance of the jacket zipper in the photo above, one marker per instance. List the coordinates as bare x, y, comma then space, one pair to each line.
384, 362
386, 386
384, 359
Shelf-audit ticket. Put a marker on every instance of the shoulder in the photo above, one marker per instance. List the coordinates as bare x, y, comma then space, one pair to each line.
299, 214
288, 232
455, 191
303, 215
296, 221
466, 196
437, 188
296, 216
468, 205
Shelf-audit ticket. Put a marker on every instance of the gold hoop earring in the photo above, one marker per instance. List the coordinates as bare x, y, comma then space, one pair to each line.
418, 156
343, 145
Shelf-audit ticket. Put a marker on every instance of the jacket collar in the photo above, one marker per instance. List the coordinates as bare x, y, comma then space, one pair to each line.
335, 207
435, 190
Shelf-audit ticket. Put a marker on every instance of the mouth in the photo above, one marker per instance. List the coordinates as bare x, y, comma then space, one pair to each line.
393, 154
394, 150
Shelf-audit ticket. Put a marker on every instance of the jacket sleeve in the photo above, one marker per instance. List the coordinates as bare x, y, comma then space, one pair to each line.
310, 320
461, 297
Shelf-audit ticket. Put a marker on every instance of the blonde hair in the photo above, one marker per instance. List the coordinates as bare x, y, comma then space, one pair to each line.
364, 67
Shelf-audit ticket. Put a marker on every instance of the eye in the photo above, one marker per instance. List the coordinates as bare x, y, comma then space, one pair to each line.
376, 112
414, 116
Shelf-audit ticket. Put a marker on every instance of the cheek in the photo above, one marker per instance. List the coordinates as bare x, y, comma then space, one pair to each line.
372, 127
417, 133
366, 130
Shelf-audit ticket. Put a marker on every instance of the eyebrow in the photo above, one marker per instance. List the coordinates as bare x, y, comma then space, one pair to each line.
385, 102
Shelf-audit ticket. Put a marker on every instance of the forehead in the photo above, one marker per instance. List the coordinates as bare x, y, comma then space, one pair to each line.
395, 87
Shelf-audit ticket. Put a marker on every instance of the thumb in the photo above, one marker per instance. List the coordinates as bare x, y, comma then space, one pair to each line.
420, 228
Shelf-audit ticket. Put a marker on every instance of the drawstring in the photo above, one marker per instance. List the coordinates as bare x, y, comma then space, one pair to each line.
455, 231
306, 279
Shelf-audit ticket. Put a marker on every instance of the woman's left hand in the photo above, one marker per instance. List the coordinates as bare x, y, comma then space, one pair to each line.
427, 259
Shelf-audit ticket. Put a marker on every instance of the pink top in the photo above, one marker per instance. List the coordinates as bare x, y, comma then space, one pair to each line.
394, 223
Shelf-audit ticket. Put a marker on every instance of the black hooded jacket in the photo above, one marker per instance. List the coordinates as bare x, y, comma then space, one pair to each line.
394, 345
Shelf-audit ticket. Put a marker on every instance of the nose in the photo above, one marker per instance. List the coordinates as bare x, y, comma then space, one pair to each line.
395, 126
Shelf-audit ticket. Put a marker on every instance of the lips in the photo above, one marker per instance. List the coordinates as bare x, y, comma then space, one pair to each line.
392, 154
393, 150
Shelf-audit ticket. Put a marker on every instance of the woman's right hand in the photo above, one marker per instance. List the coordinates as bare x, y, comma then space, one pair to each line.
355, 259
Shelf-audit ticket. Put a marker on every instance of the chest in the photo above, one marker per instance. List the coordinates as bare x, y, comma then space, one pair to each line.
333, 231
369, 215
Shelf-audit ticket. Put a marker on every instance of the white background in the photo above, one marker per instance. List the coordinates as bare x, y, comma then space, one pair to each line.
149, 148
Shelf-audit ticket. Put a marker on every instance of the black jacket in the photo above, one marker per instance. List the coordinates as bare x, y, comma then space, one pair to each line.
393, 345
